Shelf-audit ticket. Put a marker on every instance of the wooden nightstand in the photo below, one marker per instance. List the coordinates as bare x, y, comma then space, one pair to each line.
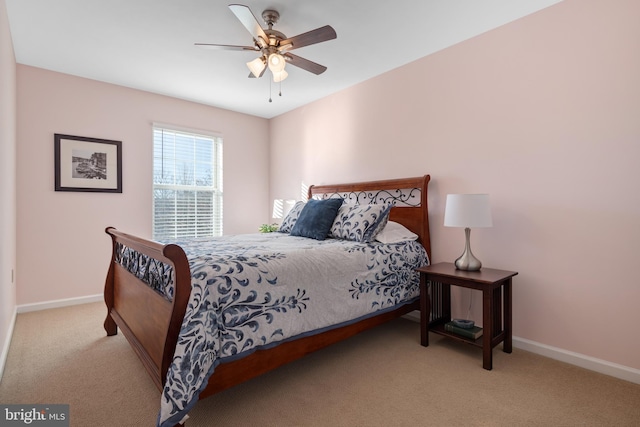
435, 305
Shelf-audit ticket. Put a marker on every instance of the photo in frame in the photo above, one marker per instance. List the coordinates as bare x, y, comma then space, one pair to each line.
87, 164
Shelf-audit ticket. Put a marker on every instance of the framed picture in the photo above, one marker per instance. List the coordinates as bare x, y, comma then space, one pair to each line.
87, 164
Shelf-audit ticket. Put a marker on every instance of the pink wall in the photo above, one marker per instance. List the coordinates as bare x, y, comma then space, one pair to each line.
7, 182
543, 114
62, 249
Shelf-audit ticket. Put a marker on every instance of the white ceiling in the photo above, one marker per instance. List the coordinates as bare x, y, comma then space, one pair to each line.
148, 44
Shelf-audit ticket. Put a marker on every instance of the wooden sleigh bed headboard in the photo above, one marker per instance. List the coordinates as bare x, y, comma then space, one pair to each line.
151, 323
408, 195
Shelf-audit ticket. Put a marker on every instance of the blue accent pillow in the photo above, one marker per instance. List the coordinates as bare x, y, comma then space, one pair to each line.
316, 218
360, 223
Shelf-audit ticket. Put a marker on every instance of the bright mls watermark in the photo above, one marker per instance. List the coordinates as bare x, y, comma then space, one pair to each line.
34, 415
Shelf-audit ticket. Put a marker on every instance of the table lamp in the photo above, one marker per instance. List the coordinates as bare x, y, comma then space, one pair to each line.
468, 211
281, 208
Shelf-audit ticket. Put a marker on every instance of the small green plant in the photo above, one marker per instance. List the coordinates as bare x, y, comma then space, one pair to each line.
269, 228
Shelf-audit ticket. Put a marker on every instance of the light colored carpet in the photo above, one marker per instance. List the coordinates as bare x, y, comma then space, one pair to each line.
382, 377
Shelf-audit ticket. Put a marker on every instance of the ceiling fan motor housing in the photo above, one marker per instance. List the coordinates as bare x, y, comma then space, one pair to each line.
270, 17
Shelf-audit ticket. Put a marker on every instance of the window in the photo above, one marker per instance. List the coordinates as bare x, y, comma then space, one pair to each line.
187, 184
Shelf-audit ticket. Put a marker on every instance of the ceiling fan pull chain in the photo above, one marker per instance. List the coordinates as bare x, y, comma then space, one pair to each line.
280, 94
270, 90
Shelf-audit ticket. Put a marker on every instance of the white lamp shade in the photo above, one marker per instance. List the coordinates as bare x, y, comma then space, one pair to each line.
256, 66
281, 208
288, 205
278, 209
278, 77
276, 63
467, 210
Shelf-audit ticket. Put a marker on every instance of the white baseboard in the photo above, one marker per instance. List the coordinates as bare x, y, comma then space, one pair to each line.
7, 343
598, 365
25, 308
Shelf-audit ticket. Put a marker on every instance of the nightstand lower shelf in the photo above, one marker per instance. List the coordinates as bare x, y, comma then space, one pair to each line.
438, 328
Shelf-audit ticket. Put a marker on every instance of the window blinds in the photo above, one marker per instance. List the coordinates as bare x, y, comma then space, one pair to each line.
187, 185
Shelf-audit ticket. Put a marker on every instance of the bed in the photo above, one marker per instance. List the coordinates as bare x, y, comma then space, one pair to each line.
199, 330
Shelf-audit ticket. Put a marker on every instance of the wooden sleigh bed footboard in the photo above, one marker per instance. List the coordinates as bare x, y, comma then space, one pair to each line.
151, 322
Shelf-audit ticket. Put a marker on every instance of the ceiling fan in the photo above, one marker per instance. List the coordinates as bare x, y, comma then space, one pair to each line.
273, 46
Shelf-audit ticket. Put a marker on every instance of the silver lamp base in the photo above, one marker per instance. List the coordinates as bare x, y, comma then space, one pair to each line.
467, 261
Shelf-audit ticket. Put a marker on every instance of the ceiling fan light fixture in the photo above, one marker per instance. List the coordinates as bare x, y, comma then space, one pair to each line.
276, 63
273, 46
280, 76
256, 66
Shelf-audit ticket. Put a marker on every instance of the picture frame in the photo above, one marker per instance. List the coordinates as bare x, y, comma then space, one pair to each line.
87, 164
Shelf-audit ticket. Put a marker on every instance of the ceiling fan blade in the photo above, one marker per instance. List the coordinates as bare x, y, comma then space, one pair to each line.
225, 46
305, 64
248, 19
251, 76
318, 35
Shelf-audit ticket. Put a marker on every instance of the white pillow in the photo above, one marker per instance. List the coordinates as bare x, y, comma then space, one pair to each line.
395, 233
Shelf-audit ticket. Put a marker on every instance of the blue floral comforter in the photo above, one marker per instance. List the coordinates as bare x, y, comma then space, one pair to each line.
256, 290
